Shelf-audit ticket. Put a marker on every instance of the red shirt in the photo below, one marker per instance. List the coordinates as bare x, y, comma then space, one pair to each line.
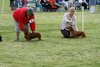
52, 2
20, 16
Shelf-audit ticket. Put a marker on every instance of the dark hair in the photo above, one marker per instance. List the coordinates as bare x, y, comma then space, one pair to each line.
29, 12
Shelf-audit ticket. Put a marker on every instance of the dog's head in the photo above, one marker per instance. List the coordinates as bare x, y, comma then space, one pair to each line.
70, 28
32, 35
28, 36
69, 22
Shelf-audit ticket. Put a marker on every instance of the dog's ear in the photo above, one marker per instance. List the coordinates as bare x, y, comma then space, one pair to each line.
69, 22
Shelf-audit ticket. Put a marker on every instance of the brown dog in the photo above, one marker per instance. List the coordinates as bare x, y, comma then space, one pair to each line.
76, 34
30, 36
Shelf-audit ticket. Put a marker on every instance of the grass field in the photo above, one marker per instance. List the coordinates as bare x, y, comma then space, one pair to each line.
53, 50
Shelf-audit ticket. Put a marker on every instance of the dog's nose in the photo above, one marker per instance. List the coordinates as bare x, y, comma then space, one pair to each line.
67, 22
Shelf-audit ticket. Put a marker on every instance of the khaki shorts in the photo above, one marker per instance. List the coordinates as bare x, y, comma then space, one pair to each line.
17, 29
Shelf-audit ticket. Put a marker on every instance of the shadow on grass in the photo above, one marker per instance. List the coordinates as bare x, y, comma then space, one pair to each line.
31, 41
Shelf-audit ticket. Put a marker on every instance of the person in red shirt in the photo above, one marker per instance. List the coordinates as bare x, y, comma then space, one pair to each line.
23, 17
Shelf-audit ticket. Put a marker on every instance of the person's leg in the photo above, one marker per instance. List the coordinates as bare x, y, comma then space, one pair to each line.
17, 30
40, 6
65, 33
85, 6
93, 9
12, 5
90, 9
17, 36
26, 34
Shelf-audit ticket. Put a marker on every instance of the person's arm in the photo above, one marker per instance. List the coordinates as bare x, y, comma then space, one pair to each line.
21, 26
74, 24
33, 26
65, 18
32, 23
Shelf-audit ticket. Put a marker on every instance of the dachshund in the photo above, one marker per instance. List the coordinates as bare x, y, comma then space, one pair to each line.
30, 36
76, 34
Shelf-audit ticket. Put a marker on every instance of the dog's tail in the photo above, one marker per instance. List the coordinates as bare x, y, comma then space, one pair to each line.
83, 36
39, 37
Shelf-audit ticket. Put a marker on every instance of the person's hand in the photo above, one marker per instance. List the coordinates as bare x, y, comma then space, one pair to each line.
31, 21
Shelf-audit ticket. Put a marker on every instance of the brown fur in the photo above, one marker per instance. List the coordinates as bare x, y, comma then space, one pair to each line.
30, 36
76, 34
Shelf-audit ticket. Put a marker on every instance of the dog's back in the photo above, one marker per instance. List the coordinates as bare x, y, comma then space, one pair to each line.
36, 35
80, 34
30, 36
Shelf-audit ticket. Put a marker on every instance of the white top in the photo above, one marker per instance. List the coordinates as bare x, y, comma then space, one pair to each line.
67, 18
80, 1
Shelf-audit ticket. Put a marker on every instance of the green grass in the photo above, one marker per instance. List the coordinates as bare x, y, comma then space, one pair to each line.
53, 50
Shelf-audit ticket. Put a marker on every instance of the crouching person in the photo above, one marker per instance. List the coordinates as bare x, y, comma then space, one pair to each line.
68, 19
23, 18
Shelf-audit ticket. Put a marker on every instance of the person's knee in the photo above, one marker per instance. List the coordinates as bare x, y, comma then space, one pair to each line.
66, 34
17, 29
